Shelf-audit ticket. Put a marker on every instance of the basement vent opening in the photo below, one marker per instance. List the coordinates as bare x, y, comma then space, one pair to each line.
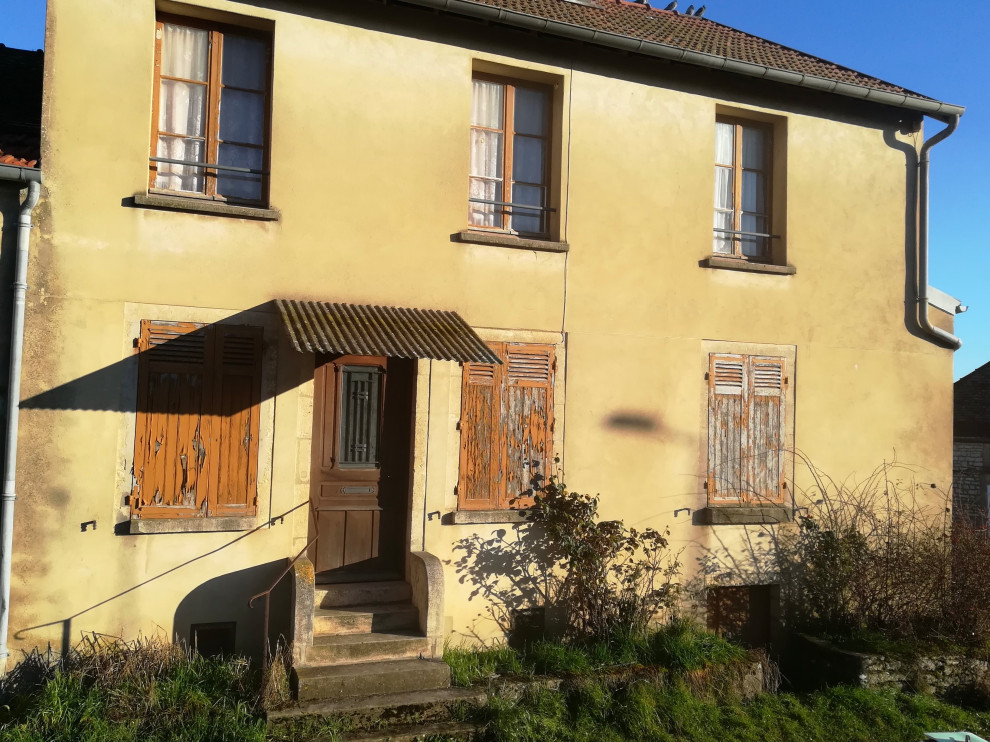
213, 639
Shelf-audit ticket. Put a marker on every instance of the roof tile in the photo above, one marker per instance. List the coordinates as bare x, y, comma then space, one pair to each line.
691, 33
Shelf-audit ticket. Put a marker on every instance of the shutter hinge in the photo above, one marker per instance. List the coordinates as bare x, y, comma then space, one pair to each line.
706, 485
457, 425
706, 376
135, 342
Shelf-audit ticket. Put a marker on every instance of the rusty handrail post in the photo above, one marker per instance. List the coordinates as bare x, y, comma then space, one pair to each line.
267, 594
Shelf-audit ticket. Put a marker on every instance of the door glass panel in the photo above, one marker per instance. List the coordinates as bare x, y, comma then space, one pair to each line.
531, 112
360, 417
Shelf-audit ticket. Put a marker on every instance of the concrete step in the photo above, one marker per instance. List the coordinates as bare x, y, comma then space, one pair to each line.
413, 732
339, 649
363, 619
362, 593
335, 682
374, 711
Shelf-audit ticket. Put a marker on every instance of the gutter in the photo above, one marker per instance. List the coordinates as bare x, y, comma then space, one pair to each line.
623, 43
921, 246
30, 177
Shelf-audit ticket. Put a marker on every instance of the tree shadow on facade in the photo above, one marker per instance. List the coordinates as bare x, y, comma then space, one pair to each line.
511, 574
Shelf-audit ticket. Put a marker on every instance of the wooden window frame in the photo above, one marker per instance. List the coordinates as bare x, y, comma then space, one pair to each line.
499, 453
508, 120
214, 83
214, 369
737, 178
748, 458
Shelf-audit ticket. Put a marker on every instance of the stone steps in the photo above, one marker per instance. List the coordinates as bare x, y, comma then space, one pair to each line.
324, 682
413, 732
362, 593
340, 649
373, 711
365, 619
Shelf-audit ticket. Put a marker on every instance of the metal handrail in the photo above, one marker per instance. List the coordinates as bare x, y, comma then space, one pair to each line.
525, 207
210, 165
747, 234
267, 594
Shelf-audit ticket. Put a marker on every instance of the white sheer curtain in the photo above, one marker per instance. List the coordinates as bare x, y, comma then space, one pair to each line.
724, 145
487, 108
182, 107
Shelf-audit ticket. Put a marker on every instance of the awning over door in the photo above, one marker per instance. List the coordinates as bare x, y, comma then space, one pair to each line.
324, 327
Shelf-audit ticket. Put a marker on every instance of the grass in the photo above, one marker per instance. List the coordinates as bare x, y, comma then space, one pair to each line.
144, 691
679, 646
644, 711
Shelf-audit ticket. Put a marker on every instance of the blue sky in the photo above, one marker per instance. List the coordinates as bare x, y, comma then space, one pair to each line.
937, 49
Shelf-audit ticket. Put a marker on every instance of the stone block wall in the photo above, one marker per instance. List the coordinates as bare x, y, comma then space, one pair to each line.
970, 475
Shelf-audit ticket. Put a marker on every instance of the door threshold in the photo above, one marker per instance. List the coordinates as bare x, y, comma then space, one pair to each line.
324, 578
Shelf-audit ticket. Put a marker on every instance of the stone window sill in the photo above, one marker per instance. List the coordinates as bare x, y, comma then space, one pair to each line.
478, 517
204, 206
735, 515
739, 264
191, 525
498, 239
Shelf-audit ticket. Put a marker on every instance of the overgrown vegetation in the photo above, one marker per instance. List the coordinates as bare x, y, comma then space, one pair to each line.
885, 561
646, 711
107, 690
615, 580
678, 646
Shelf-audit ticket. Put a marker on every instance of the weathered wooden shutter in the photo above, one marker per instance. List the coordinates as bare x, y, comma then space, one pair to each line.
727, 429
171, 474
235, 419
765, 430
482, 465
527, 418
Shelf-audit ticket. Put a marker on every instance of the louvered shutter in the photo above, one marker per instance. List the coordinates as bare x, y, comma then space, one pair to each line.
170, 474
727, 385
765, 430
235, 419
527, 420
482, 466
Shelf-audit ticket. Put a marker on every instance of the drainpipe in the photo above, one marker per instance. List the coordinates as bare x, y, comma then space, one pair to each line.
32, 178
921, 253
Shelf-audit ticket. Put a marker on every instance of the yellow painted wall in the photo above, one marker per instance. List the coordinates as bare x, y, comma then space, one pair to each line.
369, 172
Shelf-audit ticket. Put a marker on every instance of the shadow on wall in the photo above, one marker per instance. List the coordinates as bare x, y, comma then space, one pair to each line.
510, 572
218, 609
68, 630
113, 388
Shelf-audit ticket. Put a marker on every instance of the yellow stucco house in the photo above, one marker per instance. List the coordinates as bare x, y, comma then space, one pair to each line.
340, 279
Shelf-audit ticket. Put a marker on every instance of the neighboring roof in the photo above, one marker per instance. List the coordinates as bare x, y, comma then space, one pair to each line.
971, 404
637, 27
21, 76
323, 327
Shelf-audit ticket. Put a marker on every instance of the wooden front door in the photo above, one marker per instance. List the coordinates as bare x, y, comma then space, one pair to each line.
362, 421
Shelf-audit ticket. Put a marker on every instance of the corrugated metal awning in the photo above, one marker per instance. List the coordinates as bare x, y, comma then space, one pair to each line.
324, 327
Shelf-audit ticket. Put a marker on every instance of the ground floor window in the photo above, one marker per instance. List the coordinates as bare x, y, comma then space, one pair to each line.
506, 427
196, 429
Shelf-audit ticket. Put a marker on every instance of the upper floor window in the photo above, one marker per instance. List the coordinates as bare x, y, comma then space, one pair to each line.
510, 156
210, 119
742, 189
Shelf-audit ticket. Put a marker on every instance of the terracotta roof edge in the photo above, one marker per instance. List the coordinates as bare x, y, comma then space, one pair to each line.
907, 100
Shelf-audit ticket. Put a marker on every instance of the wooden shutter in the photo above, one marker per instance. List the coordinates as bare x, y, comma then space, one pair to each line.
482, 465
196, 432
765, 431
527, 420
171, 477
727, 383
745, 429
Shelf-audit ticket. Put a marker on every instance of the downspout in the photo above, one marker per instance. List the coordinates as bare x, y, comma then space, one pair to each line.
921, 252
33, 179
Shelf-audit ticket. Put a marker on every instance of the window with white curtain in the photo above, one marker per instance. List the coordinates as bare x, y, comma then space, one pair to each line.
510, 156
211, 111
742, 189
